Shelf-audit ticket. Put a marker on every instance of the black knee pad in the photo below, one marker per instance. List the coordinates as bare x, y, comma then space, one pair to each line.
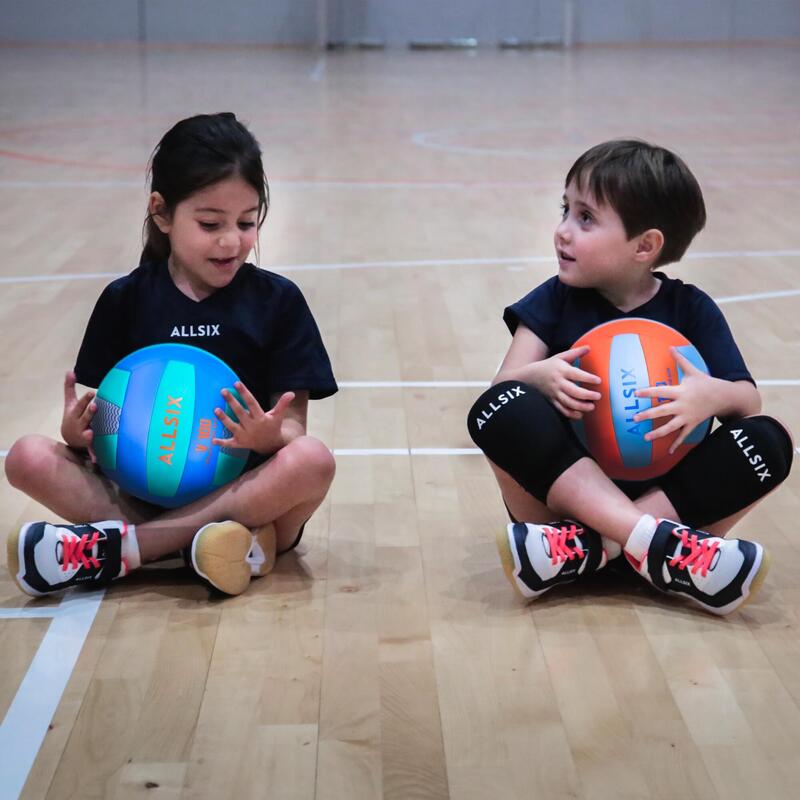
736, 465
520, 430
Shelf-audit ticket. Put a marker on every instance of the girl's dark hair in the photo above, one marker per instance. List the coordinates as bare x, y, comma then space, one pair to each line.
649, 187
195, 153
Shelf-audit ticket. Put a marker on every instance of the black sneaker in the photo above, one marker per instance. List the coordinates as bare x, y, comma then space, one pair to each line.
719, 575
538, 557
44, 558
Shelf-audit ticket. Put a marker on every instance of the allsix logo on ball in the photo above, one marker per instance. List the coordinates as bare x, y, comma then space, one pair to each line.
171, 422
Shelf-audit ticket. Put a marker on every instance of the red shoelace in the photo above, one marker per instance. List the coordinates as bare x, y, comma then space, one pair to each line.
557, 539
701, 552
78, 551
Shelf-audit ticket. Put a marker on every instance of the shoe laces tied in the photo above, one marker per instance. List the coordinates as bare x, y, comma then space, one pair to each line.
78, 551
557, 538
701, 552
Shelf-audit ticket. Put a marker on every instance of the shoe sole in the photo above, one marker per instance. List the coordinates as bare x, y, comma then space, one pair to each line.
223, 556
758, 580
13, 560
755, 585
507, 560
12, 556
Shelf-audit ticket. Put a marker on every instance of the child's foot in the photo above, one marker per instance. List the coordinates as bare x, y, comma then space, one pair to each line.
719, 575
44, 558
537, 557
220, 554
263, 550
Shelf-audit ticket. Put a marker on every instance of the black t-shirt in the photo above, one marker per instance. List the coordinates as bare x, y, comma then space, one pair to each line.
259, 325
559, 315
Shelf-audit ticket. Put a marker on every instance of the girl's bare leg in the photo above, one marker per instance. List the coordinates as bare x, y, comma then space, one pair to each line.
285, 491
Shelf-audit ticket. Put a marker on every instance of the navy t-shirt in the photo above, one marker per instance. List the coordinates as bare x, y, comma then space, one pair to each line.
259, 324
559, 315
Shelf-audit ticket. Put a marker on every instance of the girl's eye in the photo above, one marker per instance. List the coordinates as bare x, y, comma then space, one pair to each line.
564, 209
586, 217
247, 225
208, 226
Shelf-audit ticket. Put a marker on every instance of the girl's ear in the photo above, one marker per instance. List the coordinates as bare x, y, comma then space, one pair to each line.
649, 246
157, 209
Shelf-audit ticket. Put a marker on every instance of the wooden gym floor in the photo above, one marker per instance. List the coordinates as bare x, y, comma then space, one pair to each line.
414, 196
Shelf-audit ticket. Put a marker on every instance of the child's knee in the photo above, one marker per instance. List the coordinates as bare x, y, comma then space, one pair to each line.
26, 459
313, 461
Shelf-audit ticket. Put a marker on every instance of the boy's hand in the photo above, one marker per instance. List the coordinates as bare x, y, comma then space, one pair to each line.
689, 403
256, 429
77, 415
557, 379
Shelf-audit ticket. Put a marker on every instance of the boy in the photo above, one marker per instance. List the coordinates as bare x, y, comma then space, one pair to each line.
629, 207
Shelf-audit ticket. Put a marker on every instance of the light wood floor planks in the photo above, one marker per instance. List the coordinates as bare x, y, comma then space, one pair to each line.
388, 657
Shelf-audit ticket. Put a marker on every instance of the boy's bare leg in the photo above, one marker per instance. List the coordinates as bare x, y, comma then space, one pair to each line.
526, 508
584, 492
284, 490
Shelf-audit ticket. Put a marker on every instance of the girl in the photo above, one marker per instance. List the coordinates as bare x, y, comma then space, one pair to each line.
209, 198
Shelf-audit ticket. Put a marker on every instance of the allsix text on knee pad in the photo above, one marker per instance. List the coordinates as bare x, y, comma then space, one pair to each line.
759, 465
503, 398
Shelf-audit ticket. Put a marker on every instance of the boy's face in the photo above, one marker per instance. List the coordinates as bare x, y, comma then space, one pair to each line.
211, 233
591, 244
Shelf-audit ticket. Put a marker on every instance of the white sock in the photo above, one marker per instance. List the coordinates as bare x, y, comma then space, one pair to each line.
130, 549
612, 548
642, 534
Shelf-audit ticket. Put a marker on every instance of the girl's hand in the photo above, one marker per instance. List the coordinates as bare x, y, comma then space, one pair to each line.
256, 429
77, 415
557, 379
689, 403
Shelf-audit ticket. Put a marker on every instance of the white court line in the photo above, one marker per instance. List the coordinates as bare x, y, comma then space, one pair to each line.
411, 384
319, 183
428, 139
440, 262
437, 385
28, 611
481, 384
408, 451
32, 709
743, 298
444, 262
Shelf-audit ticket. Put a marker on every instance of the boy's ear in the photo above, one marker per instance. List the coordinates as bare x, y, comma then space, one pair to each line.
157, 209
649, 245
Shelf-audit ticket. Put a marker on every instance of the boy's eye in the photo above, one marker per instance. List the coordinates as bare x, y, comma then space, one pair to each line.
564, 209
586, 216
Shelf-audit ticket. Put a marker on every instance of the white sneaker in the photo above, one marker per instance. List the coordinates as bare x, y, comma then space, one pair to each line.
719, 575
537, 557
45, 558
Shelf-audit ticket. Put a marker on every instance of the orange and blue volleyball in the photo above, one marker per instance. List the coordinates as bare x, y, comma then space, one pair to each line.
155, 422
627, 355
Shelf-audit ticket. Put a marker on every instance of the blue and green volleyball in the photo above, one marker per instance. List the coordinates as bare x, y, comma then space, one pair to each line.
155, 422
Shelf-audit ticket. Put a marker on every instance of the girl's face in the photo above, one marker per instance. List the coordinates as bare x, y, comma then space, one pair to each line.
211, 233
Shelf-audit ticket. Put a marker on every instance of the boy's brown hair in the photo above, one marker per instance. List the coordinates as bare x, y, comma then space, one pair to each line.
649, 187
